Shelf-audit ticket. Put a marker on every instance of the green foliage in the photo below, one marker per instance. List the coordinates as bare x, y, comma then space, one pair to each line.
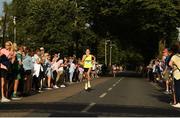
135, 26
136, 23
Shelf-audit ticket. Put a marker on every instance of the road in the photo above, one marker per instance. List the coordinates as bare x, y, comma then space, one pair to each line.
120, 96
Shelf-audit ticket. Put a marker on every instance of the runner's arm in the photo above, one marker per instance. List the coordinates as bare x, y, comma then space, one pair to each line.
94, 57
83, 58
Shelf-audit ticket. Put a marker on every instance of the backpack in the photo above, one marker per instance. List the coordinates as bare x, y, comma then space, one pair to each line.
5, 61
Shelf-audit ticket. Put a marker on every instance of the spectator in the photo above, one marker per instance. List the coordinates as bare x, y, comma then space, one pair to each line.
114, 70
28, 69
166, 72
6, 58
71, 69
42, 72
150, 71
17, 70
81, 71
37, 70
60, 79
56, 62
42, 51
48, 70
175, 64
66, 69
93, 71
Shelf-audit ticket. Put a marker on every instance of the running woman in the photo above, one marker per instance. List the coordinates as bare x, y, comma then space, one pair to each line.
88, 64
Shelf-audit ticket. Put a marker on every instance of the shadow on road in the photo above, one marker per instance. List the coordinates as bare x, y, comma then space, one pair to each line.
163, 98
72, 109
125, 74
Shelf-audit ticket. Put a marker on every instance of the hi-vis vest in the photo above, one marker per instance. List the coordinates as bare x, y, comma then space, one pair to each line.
88, 62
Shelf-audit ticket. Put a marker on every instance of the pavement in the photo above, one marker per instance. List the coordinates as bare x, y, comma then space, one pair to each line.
120, 96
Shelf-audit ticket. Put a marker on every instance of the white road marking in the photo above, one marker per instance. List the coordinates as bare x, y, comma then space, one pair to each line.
109, 89
104, 94
116, 83
88, 107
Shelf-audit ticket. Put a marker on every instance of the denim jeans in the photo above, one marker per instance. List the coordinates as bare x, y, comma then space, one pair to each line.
71, 76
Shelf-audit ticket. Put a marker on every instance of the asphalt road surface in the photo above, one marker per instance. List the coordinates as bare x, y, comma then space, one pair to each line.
121, 96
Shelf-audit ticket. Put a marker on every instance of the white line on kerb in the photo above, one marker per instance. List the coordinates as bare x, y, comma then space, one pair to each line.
104, 94
88, 107
109, 89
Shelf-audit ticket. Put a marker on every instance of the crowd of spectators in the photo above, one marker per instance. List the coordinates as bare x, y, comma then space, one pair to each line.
166, 70
24, 71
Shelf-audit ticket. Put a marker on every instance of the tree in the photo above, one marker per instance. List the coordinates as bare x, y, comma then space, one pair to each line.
137, 26
53, 23
135, 23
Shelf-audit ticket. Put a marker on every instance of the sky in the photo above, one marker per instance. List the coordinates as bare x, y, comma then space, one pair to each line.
1, 5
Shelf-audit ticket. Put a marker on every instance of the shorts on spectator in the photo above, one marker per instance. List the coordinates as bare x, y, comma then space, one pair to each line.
3, 73
27, 72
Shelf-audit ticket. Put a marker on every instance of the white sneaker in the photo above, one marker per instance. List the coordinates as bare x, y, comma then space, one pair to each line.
62, 86
166, 92
40, 91
86, 86
5, 99
55, 87
176, 105
49, 88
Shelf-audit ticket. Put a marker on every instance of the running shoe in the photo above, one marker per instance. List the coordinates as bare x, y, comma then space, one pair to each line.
49, 88
176, 105
62, 86
15, 97
88, 89
166, 92
55, 87
5, 99
40, 90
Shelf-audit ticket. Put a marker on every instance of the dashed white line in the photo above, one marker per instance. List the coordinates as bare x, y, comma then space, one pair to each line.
88, 107
114, 85
103, 95
109, 89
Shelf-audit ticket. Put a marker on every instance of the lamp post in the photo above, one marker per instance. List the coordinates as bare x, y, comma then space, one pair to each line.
4, 28
110, 55
178, 28
14, 21
106, 41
